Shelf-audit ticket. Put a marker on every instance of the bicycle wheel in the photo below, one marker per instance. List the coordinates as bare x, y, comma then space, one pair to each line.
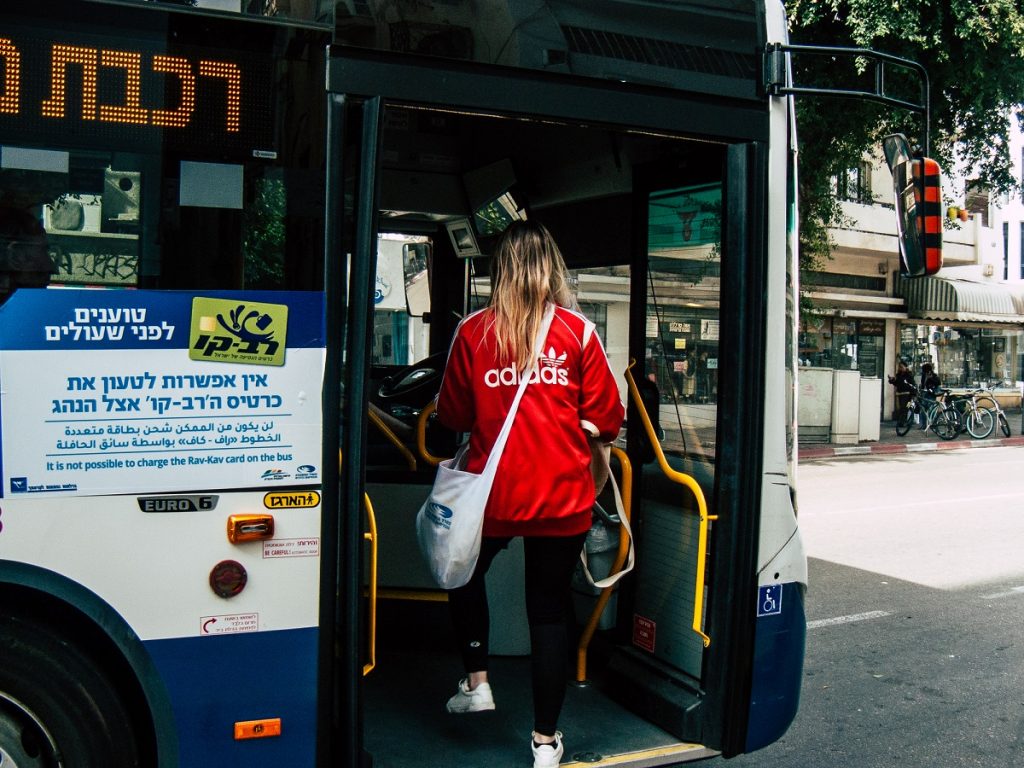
956, 417
956, 407
980, 423
904, 420
944, 427
1004, 424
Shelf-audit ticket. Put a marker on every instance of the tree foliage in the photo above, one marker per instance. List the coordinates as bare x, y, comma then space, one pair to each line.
973, 51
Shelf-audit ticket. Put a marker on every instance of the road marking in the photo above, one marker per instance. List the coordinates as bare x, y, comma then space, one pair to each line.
812, 506
1010, 593
846, 619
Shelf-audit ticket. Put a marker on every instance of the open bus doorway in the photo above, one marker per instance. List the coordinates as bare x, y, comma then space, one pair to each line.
638, 218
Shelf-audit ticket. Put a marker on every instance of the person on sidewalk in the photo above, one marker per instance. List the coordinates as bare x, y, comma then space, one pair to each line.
904, 383
930, 381
543, 490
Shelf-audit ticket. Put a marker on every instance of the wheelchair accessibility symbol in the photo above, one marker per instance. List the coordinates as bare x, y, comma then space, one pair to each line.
769, 600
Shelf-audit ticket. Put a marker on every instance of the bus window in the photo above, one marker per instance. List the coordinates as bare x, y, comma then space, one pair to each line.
25, 260
682, 329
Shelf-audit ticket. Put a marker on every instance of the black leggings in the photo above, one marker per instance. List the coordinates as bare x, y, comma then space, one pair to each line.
549, 566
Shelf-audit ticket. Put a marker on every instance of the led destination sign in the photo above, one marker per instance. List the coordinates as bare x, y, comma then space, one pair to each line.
101, 90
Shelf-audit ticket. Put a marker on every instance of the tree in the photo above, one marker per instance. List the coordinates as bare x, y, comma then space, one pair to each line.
974, 53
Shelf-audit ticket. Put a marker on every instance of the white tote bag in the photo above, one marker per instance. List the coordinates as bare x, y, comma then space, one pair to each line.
450, 523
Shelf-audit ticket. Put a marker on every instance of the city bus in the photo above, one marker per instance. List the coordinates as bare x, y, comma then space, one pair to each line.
237, 240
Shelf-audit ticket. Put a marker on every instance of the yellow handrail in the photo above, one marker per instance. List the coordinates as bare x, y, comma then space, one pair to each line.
698, 494
421, 435
371, 536
620, 559
394, 439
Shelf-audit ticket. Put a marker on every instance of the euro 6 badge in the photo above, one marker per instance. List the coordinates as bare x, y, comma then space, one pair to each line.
238, 331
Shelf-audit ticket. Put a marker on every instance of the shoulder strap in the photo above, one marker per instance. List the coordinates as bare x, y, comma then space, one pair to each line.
499, 444
624, 522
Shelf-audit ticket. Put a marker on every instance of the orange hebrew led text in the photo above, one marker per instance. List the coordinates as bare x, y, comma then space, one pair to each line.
176, 118
91, 64
63, 57
132, 111
10, 96
233, 75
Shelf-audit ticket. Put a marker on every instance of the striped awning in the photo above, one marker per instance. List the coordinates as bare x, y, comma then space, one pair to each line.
956, 299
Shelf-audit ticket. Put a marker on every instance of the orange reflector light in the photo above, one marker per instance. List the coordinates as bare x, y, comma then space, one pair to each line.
258, 729
250, 528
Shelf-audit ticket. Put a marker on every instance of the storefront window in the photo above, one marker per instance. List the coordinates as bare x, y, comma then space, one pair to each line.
870, 347
843, 344
966, 357
686, 353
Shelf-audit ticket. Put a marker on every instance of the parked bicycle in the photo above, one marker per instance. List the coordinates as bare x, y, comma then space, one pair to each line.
985, 396
931, 413
971, 417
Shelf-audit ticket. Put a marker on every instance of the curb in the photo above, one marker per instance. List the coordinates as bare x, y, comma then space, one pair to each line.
874, 449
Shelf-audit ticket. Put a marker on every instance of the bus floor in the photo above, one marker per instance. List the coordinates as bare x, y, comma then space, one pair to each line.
407, 726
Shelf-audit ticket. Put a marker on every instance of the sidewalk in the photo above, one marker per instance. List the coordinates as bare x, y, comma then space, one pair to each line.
916, 440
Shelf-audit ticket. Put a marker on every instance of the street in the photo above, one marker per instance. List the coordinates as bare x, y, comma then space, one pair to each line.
915, 655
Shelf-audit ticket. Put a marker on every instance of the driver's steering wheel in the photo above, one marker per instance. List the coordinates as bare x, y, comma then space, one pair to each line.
416, 384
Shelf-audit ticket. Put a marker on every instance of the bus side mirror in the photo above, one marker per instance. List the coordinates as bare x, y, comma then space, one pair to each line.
416, 261
918, 207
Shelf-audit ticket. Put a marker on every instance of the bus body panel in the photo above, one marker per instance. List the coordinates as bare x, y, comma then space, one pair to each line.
198, 687
779, 642
779, 635
120, 510
126, 556
215, 682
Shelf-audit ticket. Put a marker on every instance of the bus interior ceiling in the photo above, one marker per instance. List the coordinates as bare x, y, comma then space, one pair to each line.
578, 180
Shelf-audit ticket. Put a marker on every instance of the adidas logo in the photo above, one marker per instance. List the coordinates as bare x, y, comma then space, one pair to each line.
551, 359
548, 373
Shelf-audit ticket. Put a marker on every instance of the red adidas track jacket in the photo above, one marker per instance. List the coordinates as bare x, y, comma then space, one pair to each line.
543, 485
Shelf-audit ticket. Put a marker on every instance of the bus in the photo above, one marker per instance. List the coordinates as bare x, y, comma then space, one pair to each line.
238, 237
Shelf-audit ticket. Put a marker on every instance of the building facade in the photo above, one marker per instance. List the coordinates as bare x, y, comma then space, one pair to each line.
967, 320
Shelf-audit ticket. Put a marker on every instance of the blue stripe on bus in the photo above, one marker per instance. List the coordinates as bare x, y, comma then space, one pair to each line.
28, 313
779, 641
215, 681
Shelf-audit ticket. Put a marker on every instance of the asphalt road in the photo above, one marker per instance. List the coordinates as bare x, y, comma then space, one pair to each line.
915, 652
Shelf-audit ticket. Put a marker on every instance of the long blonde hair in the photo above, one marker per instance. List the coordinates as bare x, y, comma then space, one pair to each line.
527, 271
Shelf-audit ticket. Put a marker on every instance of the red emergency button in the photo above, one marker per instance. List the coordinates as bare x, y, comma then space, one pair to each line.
228, 578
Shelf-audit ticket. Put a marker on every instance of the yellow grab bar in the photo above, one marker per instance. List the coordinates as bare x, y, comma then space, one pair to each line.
371, 536
371, 619
421, 435
620, 559
698, 494
394, 439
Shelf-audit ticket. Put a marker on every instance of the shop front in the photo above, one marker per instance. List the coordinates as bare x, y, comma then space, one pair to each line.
684, 341
843, 343
971, 331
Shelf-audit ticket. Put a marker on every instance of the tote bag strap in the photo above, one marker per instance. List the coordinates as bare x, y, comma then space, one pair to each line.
624, 522
491, 467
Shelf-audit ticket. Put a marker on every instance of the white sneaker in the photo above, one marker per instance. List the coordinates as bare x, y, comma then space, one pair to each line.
480, 699
547, 755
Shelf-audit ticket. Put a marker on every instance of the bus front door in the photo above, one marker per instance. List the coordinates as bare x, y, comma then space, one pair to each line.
446, 169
